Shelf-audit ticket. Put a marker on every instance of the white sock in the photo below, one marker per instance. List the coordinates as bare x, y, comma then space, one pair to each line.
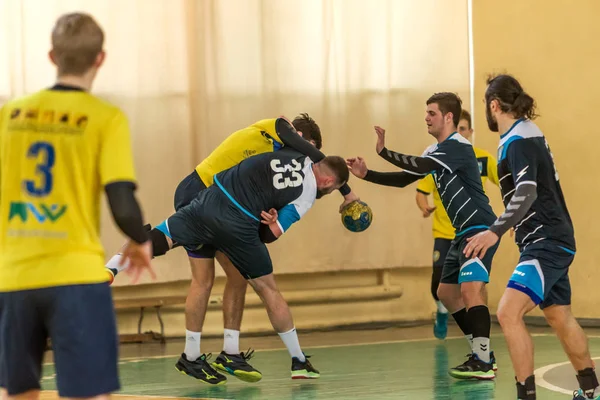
113, 263
481, 347
440, 307
231, 341
192, 345
470, 340
290, 339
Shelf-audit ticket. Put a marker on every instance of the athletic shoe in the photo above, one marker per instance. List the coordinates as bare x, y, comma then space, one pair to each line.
200, 369
237, 365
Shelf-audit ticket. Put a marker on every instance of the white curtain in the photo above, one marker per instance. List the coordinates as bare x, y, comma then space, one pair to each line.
189, 72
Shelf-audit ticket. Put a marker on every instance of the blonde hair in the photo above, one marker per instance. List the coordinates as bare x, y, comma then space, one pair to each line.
76, 42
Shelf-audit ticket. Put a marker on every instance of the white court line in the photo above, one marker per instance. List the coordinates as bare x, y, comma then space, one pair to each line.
149, 396
134, 359
540, 372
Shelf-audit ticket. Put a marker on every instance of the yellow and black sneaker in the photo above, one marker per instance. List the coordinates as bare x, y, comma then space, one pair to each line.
200, 369
473, 368
304, 369
237, 365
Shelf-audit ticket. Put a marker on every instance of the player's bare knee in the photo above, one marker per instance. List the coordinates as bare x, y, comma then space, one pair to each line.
508, 314
203, 271
558, 316
472, 294
448, 294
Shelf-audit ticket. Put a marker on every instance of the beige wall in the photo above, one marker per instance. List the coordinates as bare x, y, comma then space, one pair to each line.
552, 48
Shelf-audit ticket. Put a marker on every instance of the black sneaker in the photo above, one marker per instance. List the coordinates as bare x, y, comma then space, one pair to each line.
237, 365
304, 369
473, 368
200, 369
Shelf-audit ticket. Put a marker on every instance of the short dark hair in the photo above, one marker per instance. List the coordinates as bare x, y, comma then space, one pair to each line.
464, 114
309, 128
448, 102
338, 166
510, 95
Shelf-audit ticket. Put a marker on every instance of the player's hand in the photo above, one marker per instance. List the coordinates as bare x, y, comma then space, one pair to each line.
349, 198
380, 139
357, 166
427, 211
270, 217
139, 256
479, 244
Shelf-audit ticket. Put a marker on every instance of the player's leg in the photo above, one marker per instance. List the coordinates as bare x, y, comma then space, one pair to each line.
81, 323
557, 310
473, 276
513, 306
575, 344
22, 344
186, 191
231, 360
280, 316
440, 251
527, 287
450, 295
251, 257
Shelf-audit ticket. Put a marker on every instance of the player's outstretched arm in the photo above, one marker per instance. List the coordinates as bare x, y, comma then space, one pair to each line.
358, 167
420, 165
290, 137
128, 217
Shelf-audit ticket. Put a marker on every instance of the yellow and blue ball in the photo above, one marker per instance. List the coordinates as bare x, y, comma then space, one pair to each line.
357, 216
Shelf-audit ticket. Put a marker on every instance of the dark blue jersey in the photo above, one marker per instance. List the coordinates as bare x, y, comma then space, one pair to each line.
524, 157
282, 180
458, 181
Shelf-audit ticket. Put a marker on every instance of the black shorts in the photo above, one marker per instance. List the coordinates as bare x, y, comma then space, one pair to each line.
213, 219
187, 190
80, 322
460, 269
543, 274
440, 251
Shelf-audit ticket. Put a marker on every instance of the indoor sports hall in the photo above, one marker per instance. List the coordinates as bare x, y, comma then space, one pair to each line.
189, 73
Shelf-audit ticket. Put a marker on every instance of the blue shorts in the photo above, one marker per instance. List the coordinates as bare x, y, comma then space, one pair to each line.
187, 190
80, 322
460, 269
543, 274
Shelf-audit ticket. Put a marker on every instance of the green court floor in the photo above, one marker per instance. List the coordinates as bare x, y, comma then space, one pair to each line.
409, 369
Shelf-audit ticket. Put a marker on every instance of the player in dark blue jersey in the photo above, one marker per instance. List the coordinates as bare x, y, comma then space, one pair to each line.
455, 170
279, 187
536, 209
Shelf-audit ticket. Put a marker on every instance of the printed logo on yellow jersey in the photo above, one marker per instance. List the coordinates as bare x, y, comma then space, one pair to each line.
47, 120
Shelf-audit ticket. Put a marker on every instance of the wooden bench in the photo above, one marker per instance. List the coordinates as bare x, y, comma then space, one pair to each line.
294, 298
142, 304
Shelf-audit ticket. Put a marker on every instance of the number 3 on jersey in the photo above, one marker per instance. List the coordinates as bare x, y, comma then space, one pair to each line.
280, 181
44, 153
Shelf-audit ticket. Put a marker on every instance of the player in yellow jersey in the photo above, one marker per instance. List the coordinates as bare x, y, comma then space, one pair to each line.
59, 148
268, 135
443, 232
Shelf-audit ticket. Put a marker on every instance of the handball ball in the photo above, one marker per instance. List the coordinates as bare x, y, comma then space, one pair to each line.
357, 216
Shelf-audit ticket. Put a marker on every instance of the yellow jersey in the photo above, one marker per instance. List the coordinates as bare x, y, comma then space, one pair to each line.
260, 137
58, 148
442, 226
